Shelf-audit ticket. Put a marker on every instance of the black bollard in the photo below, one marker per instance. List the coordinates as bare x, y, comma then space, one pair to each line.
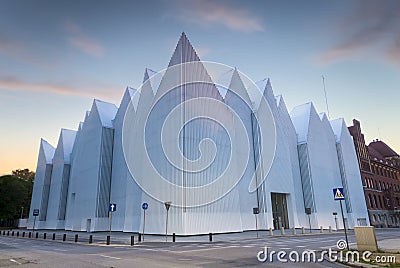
12, 233
132, 240
108, 239
210, 237
76, 238
30, 235
23, 234
90, 239
54, 236
8, 233
140, 237
173, 237
64, 237
37, 234
18, 234
44, 236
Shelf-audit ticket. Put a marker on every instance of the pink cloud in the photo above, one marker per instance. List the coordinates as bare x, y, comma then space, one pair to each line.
11, 83
79, 40
372, 28
206, 13
87, 45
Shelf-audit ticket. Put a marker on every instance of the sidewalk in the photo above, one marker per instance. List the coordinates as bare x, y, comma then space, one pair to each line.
390, 245
122, 238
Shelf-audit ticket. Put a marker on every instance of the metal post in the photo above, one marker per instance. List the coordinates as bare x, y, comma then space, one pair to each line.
64, 237
139, 237
132, 240
44, 236
336, 223
110, 222
144, 222
166, 227
108, 239
54, 236
256, 224
344, 225
34, 223
173, 237
90, 239
76, 238
210, 237
309, 222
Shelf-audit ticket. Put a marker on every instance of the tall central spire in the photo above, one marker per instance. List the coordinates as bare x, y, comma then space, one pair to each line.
184, 52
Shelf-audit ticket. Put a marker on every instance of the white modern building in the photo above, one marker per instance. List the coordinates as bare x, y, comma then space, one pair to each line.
103, 162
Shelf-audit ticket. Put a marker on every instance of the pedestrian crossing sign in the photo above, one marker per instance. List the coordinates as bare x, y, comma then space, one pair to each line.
338, 194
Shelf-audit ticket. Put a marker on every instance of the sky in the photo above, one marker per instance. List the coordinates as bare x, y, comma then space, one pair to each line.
56, 56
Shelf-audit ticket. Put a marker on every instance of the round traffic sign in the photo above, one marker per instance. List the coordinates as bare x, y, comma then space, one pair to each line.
145, 206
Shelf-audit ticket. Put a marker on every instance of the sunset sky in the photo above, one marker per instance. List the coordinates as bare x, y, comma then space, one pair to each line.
55, 57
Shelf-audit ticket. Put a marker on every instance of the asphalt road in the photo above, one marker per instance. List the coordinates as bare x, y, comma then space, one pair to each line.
26, 252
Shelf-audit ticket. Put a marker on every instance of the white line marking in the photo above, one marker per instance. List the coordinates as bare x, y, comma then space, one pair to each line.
110, 257
203, 249
15, 261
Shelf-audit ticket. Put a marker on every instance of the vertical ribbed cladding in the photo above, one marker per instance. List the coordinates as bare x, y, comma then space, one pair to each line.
184, 67
41, 183
58, 187
238, 100
350, 174
45, 194
124, 192
306, 177
64, 191
343, 178
289, 133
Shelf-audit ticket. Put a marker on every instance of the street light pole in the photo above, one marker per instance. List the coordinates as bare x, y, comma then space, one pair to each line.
167, 206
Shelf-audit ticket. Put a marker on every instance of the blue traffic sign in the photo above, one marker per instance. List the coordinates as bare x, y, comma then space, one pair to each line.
112, 207
338, 194
145, 206
35, 212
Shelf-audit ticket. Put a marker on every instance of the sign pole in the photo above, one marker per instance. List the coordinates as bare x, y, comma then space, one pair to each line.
34, 223
144, 222
167, 206
110, 221
309, 222
166, 228
344, 225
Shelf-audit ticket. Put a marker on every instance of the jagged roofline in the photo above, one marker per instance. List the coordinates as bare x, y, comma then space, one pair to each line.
184, 52
236, 86
48, 150
106, 111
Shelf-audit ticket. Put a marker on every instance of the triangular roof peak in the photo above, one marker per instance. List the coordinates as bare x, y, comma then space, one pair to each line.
237, 87
48, 150
107, 112
67, 137
184, 52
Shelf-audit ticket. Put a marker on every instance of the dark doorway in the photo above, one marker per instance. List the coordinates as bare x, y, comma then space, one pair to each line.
279, 211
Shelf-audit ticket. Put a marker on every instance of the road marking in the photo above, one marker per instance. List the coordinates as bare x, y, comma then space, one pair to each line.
15, 261
204, 249
57, 249
110, 257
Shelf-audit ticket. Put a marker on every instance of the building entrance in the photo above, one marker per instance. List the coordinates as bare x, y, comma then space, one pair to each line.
279, 211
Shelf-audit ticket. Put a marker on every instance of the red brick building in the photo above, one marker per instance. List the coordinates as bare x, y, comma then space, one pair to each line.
380, 173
